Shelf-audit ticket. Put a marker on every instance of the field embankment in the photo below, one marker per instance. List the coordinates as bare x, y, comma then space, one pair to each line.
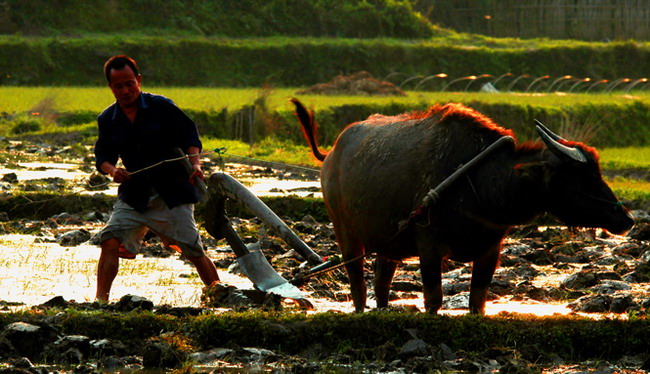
253, 62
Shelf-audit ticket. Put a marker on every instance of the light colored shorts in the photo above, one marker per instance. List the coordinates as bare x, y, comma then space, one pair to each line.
175, 227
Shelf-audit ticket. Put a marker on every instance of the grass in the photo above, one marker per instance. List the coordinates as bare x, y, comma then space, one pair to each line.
572, 338
28, 99
45, 102
625, 158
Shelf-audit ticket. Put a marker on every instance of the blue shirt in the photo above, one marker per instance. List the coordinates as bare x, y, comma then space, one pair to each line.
159, 127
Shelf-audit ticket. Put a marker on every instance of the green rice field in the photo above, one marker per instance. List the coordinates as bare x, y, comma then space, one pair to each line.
18, 99
94, 99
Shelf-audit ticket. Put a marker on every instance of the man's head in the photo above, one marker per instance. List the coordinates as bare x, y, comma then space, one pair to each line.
123, 78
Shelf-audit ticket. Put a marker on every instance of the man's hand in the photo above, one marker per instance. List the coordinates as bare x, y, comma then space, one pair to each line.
120, 175
196, 173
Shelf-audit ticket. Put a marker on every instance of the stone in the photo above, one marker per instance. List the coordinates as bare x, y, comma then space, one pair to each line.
70, 349
621, 303
74, 238
10, 178
609, 287
459, 301
106, 348
414, 347
55, 302
131, 302
211, 355
159, 354
592, 304
28, 340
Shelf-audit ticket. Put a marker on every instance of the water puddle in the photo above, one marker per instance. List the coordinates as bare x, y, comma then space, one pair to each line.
44, 170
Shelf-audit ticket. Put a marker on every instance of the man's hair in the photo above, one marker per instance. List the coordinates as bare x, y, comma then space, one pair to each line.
118, 63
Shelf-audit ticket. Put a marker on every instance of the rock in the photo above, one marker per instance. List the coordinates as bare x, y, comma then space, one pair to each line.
159, 354
540, 257
460, 301
640, 231
70, 349
95, 216
55, 302
641, 273
74, 238
259, 355
10, 178
28, 340
609, 287
453, 288
592, 304
525, 271
621, 304
97, 182
309, 220
532, 292
220, 295
106, 348
414, 347
518, 250
131, 302
386, 352
580, 280
588, 278
211, 356
406, 286
640, 216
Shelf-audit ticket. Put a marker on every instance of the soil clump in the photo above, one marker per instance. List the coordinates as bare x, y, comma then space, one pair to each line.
358, 84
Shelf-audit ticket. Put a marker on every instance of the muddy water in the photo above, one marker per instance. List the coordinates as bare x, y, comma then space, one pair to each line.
35, 269
32, 271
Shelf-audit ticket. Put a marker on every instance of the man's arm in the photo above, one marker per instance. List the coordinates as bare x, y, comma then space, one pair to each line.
195, 160
119, 174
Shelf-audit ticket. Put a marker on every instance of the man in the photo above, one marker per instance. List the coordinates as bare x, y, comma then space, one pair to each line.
143, 129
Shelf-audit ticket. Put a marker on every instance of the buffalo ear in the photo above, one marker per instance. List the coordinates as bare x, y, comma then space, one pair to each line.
534, 172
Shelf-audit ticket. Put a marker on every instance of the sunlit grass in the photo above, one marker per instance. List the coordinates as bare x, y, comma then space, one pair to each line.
624, 158
630, 189
21, 99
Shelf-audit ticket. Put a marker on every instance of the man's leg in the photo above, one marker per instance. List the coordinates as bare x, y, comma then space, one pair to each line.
206, 269
107, 268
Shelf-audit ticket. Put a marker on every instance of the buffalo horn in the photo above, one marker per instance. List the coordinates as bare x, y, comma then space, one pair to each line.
552, 142
548, 132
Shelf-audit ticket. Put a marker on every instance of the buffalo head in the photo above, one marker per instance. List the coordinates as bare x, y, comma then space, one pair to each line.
577, 194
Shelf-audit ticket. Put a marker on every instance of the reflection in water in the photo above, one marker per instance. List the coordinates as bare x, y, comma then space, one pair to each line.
32, 271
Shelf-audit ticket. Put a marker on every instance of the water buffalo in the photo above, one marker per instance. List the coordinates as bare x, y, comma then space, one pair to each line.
380, 170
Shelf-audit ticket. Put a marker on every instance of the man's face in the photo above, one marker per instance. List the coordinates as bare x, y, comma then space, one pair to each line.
125, 86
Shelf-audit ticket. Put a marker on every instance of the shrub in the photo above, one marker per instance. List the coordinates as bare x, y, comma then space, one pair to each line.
24, 125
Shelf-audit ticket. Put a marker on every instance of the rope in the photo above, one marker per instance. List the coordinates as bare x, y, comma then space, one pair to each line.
224, 151
274, 163
219, 151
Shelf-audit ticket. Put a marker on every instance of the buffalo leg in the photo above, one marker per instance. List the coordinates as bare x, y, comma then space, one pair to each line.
384, 272
482, 273
431, 269
351, 249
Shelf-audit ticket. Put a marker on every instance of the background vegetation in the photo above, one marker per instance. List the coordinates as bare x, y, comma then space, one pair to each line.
241, 18
205, 61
